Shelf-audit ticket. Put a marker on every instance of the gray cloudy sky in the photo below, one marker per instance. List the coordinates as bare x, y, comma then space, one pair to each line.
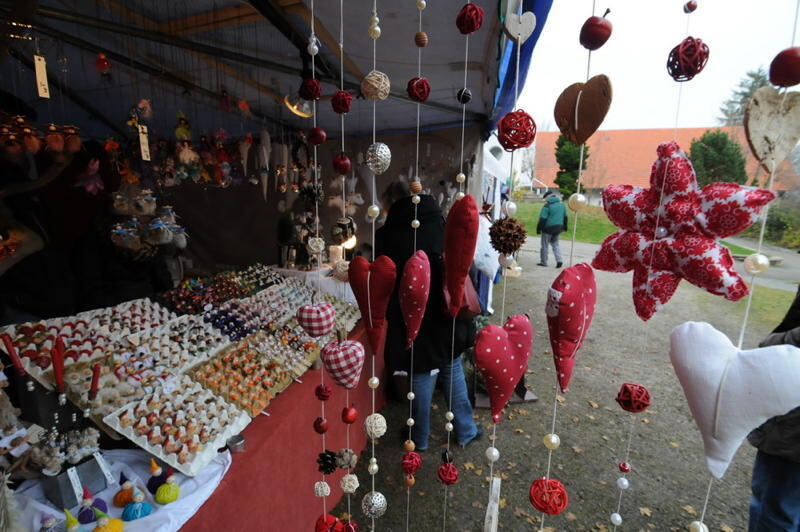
742, 35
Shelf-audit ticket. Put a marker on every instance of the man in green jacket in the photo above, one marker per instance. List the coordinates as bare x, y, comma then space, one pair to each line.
552, 222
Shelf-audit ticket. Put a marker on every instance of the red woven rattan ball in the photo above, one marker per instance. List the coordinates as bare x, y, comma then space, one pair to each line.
310, 89
687, 59
516, 130
411, 463
469, 19
548, 496
448, 474
418, 89
341, 102
633, 397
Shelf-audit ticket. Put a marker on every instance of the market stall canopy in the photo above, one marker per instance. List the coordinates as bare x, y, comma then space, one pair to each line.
204, 57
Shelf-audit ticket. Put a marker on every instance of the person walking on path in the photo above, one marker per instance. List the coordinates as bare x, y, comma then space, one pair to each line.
552, 222
775, 503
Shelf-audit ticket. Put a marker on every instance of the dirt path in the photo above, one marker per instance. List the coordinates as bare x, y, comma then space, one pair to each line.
669, 478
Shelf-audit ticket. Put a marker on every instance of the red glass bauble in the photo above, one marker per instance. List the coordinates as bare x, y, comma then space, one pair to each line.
624, 467
102, 64
341, 164
418, 89
687, 59
317, 136
310, 89
469, 19
516, 130
341, 102
448, 474
633, 397
548, 496
321, 425
349, 415
784, 71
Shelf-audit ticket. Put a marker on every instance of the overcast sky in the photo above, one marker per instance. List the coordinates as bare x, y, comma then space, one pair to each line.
742, 35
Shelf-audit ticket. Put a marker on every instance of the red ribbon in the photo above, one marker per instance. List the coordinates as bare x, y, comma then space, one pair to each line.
12, 352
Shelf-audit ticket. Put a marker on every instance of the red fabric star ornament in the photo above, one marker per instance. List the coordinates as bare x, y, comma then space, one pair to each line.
548, 495
678, 237
633, 397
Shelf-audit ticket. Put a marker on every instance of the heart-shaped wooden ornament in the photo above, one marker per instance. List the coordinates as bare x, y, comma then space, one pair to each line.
731, 392
520, 27
772, 125
582, 107
501, 355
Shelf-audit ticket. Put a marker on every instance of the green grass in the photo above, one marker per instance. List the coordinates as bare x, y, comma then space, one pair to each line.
593, 225
737, 250
767, 311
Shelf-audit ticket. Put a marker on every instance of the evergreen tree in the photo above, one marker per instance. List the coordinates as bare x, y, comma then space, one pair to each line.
716, 157
733, 108
568, 158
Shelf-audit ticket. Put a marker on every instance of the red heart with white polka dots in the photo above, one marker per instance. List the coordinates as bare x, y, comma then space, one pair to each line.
501, 354
415, 286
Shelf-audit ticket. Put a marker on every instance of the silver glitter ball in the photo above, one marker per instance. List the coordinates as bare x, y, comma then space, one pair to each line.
379, 157
373, 504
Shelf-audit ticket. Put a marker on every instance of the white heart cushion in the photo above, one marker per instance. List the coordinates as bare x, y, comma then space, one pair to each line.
731, 392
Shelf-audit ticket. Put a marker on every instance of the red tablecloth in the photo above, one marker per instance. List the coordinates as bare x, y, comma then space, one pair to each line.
270, 486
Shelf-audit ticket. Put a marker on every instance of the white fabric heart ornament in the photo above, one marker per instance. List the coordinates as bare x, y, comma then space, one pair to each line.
731, 392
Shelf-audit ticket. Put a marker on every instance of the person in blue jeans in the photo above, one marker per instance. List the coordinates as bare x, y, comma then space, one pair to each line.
552, 222
775, 501
432, 347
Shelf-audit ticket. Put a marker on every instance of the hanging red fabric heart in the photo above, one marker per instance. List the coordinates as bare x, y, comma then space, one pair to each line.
570, 309
633, 397
317, 319
372, 284
548, 496
469, 19
310, 89
516, 130
328, 523
460, 239
344, 362
418, 89
687, 59
414, 289
501, 355
341, 102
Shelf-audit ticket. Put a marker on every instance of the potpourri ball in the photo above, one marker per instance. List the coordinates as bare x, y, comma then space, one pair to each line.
548, 496
469, 19
687, 59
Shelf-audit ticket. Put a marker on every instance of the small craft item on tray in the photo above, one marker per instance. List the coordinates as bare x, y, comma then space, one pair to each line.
182, 424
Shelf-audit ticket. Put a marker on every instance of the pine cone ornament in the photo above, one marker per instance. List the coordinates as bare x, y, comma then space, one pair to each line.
507, 235
327, 462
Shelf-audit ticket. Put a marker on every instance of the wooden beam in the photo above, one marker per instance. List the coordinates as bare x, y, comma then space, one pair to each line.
297, 7
211, 20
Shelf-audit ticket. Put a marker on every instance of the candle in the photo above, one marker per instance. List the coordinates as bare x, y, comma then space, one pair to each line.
57, 357
12, 352
335, 254
95, 382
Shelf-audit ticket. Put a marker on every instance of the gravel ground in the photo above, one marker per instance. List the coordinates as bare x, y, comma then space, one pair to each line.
669, 479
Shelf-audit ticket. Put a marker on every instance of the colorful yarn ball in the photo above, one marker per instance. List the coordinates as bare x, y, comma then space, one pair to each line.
341, 102
376, 85
341, 164
469, 19
448, 474
633, 397
516, 130
687, 59
310, 89
548, 496
418, 89
411, 463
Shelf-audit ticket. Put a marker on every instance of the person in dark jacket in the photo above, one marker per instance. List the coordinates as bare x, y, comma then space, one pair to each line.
775, 503
552, 222
432, 348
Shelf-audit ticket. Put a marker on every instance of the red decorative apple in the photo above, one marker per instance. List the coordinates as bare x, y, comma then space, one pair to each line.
689, 6
595, 31
321, 425
317, 136
43, 361
784, 71
341, 163
349, 415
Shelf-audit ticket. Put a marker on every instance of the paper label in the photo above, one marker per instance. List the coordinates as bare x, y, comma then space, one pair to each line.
41, 76
16, 452
104, 467
75, 481
144, 143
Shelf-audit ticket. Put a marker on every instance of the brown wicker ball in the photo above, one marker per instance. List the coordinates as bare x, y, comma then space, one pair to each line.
507, 235
421, 39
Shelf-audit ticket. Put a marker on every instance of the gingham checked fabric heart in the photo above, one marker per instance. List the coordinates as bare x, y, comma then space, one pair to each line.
344, 361
317, 319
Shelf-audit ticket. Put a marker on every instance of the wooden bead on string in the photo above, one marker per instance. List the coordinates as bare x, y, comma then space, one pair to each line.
341, 102
418, 89
415, 187
687, 59
516, 130
421, 39
464, 96
469, 19
376, 85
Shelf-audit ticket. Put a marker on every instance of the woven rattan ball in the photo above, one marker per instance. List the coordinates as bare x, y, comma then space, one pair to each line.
376, 86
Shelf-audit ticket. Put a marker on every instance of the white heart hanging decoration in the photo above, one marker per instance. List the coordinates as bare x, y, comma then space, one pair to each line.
520, 27
731, 392
772, 125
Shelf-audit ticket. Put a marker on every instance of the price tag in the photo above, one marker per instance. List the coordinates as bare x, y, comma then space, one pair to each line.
104, 467
75, 481
41, 76
144, 143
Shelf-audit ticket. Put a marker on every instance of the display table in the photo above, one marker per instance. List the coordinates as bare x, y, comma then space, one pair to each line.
327, 284
270, 486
